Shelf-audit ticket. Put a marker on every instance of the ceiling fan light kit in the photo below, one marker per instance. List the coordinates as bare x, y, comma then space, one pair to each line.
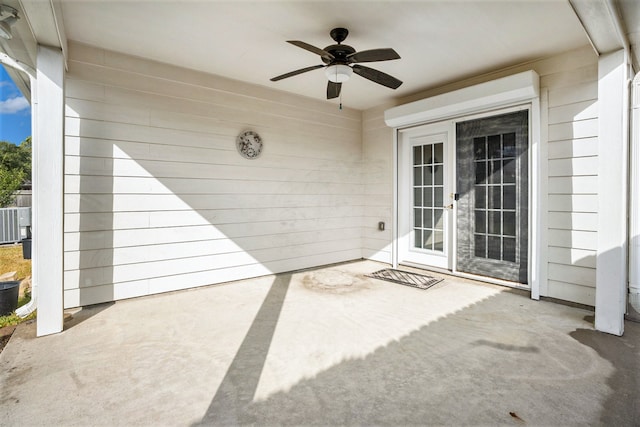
338, 73
338, 59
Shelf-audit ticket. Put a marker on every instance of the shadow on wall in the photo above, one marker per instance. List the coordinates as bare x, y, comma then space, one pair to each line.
86, 253
166, 208
481, 365
572, 166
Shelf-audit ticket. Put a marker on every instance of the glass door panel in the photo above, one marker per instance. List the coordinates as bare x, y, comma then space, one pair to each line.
491, 158
428, 190
424, 179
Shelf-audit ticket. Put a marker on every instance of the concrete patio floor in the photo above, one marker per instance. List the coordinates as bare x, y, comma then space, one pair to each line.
326, 346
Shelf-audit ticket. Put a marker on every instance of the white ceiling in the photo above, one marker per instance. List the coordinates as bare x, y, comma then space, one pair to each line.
439, 41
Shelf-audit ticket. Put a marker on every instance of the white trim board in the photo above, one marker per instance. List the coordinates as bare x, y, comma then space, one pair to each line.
521, 87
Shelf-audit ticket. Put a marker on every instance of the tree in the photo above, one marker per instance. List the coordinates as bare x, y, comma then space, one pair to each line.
10, 182
15, 157
15, 169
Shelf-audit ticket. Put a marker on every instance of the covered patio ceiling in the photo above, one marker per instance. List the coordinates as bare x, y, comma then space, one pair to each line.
439, 41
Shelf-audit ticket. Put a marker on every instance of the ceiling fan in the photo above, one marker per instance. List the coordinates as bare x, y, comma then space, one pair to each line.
338, 59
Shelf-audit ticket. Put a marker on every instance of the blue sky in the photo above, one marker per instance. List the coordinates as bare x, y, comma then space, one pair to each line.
15, 111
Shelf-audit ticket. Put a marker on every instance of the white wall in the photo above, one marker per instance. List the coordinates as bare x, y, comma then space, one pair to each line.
377, 178
569, 81
572, 81
158, 199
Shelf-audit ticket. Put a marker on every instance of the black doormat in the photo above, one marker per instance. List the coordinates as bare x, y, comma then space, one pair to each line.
419, 281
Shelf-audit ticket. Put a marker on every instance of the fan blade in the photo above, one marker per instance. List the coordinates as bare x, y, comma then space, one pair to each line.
333, 89
310, 48
373, 55
377, 76
296, 72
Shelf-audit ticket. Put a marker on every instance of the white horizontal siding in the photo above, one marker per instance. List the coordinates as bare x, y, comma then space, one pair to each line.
218, 150
75, 184
574, 93
262, 248
573, 239
572, 201
584, 221
573, 257
158, 202
377, 175
573, 130
570, 291
111, 239
575, 166
115, 291
571, 148
170, 263
158, 199
573, 184
102, 221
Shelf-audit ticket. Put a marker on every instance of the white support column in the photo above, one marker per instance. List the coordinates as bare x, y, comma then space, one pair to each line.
634, 200
47, 177
611, 263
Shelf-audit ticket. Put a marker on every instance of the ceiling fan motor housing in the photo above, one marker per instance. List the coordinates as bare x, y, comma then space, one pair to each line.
340, 53
339, 34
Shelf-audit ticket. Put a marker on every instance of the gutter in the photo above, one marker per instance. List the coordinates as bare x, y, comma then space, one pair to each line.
5, 59
20, 66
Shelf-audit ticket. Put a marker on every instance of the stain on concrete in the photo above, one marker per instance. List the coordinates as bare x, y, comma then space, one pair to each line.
507, 347
621, 407
334, 281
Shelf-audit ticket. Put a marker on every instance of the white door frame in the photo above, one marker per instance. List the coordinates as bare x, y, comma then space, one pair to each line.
435, 132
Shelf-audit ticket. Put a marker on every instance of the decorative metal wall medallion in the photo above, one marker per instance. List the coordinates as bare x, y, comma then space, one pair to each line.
249, 144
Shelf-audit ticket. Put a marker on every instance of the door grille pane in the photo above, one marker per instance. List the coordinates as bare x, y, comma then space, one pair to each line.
428, 195
427, 153
417, 174
417, 217
495, 197
481, 197
417, 154
438, 157
509, 249
480, 245
428, 218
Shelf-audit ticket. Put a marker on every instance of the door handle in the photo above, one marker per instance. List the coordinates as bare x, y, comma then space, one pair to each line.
448, 206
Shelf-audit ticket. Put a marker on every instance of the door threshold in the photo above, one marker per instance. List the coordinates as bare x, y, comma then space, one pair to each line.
492, 280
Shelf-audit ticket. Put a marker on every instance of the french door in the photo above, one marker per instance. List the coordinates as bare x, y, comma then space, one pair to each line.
425, 204
492, 182
488, 234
